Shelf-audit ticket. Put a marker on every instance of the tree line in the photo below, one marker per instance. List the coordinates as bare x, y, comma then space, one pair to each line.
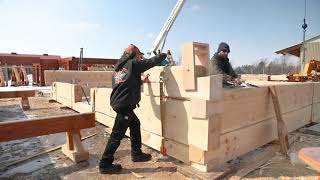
270, 67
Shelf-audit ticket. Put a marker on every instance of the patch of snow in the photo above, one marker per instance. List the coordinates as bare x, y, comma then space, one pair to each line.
28, 167
44, 89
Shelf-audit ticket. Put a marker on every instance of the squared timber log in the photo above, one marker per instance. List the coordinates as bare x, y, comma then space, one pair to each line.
195, 62
71, 124
24, 94
66, 94
20, 129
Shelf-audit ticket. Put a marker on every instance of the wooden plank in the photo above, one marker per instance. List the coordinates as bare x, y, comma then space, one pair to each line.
16, 94
188, 67
254, 77
20, 129
281, 126
281, 77
196, 174
253, 161
311, 156
78, 77
251, 105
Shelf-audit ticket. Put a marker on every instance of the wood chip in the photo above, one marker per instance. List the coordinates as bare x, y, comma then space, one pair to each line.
137, 175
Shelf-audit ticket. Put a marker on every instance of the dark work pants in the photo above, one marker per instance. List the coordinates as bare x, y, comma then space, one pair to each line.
125, 118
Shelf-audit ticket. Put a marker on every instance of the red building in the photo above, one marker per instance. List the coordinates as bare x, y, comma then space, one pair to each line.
37, 64
72, 63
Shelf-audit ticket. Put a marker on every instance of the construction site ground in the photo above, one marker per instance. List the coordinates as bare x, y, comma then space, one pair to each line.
55, 165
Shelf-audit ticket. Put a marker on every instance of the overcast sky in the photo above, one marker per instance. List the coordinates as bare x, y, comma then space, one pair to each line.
254, 28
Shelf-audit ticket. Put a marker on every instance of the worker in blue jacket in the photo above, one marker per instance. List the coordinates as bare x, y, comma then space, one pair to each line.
126, 94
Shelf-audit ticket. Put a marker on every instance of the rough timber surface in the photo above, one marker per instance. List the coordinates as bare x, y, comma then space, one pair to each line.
78, 77
21, 129
249, 114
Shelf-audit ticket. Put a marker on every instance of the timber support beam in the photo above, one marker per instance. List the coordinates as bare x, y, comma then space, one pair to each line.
71, 124
25, 94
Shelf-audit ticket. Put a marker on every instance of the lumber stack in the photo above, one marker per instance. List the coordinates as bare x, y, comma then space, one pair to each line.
201, 123
263, 77
254, 77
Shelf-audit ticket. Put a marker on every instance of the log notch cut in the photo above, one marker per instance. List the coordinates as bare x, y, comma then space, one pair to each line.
71, 124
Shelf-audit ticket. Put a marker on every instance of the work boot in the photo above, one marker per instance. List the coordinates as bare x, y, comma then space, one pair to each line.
140, 157
110, 169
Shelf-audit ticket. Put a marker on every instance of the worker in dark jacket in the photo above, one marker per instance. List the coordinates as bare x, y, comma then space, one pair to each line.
220, 65
126, 84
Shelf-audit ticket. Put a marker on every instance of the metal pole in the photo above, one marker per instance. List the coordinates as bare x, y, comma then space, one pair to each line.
304, 27
303, 52
80, 60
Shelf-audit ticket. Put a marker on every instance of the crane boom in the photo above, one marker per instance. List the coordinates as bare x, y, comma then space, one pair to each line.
167, 26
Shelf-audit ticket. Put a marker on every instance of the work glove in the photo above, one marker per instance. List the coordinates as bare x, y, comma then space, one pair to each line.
162, 56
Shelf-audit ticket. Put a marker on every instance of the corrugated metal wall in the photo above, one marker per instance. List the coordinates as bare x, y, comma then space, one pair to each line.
313, 51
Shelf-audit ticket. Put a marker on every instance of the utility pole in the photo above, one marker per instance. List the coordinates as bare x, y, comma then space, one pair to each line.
304, 27
80, 60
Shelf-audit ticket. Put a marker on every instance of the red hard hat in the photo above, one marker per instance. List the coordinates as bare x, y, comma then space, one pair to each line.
132, 48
